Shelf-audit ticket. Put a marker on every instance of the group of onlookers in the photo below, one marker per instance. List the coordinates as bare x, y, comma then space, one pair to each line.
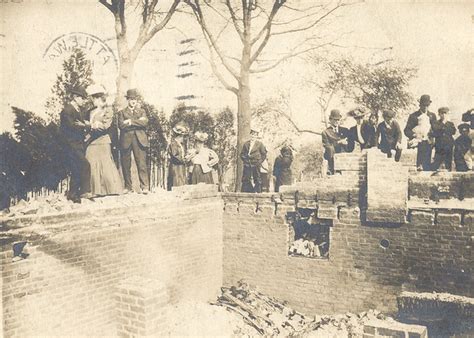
423, 129
87, 136
94, 173
93, 170
193, 165
200, 161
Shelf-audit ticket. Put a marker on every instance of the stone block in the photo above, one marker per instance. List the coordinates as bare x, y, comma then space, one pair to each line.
327, 211
394, 329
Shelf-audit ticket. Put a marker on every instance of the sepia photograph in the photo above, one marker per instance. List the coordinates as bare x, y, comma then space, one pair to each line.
237, 168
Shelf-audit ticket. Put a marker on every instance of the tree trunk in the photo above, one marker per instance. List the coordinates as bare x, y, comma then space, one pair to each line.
243, 113
123, 81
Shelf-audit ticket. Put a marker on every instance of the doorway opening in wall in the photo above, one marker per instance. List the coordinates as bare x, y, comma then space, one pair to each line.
308, 236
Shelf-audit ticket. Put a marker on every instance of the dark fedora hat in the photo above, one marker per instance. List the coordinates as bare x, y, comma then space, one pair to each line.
79, 91
132, 94
335, 114
425, 99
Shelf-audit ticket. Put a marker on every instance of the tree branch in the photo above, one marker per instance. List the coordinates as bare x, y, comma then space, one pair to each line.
321, 18
110, 7
234, 20
163, 22
221, 78
286, 57
267, 27
121, 13
212, 41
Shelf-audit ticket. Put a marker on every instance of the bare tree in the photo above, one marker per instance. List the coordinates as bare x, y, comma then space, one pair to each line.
254, 23
153, 20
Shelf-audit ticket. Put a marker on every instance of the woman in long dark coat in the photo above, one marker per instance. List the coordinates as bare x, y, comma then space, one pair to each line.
176, 155
282, 168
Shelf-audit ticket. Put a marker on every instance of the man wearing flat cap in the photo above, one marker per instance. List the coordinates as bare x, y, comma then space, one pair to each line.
132, 122
462, 149
389, 135
74, 127
335, 139
423, 157
443, 132
252, 155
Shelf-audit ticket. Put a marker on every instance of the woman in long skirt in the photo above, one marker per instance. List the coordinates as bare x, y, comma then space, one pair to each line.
105, 178
176, 156
282, 168
203, 159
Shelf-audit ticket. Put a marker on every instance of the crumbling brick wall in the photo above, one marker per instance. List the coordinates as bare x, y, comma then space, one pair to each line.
66, 285
432, 252
369, 263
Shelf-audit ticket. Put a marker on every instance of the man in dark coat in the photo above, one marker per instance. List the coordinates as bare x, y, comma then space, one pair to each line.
443, 131
423, 156
335, 139
462, 146
253, 154
390, 135
468, 117
282, 168
362, 135
74, 128
132, 122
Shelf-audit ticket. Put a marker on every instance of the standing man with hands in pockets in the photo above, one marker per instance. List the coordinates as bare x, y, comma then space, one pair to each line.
132, 123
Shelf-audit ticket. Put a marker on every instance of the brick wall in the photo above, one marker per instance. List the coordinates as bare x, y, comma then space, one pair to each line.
441, 185
369, 263
432, 252
67, 284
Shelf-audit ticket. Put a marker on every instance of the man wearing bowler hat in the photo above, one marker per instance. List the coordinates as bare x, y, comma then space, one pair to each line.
253, 154
74, 127
335, 139
132, 123
423, 156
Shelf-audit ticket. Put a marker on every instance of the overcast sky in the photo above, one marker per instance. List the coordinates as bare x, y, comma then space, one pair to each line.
437, 38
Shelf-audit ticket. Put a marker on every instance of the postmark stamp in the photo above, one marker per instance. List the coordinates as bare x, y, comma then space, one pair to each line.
95, 49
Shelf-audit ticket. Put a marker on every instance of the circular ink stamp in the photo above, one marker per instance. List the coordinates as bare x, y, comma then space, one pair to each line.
95, 49
102, 57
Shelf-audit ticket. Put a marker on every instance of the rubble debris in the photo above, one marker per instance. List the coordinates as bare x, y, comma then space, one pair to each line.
270, 317
308, 248
58, 203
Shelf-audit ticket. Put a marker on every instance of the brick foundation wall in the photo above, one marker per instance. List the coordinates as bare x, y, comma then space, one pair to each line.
432, 252
68, 283
429, 250
442, 185
83, 265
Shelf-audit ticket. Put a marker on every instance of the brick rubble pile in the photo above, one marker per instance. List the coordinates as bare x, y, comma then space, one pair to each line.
270, 317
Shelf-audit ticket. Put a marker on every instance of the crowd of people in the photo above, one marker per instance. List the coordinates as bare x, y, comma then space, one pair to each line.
88, 141
94, 172
423, 129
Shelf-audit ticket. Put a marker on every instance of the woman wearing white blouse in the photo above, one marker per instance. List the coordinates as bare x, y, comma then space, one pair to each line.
203, 159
